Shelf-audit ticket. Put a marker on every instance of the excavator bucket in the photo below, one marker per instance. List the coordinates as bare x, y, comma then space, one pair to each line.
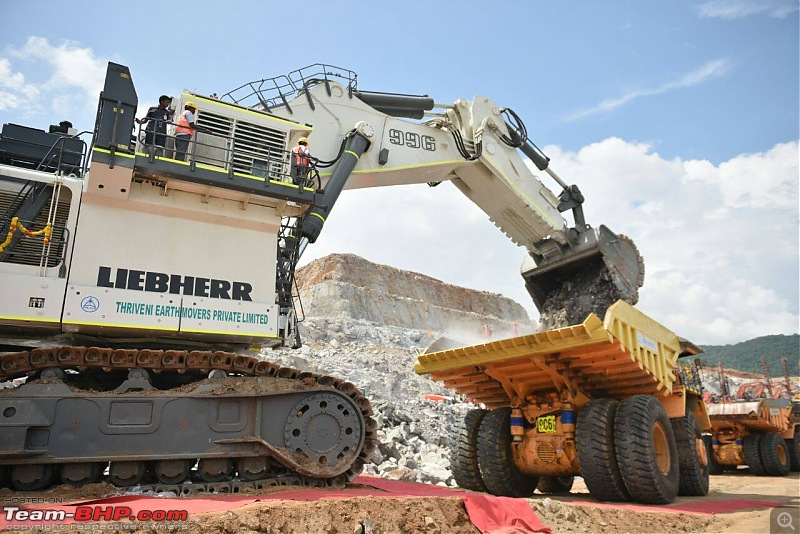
568, 282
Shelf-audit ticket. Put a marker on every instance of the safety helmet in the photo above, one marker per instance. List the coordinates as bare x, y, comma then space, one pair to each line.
302, 140
190, 105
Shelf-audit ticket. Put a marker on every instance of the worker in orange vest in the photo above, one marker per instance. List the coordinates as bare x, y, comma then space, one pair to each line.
300, 161
184, 131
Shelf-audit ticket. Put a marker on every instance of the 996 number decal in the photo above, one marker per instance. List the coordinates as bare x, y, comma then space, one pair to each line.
412, 140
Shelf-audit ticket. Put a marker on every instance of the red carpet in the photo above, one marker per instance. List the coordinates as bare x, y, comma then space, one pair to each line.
491, 515
495, 515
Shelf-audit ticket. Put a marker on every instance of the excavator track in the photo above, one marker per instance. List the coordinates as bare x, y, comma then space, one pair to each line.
317, 424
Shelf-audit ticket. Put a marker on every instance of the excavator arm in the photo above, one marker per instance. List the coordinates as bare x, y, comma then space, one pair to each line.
397, 139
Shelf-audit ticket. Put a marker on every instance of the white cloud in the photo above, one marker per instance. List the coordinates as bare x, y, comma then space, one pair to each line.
15, 91
739, 9
720, 242
68, 76
709, 71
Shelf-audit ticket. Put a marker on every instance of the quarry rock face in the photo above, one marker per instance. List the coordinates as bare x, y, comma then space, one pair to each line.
345, 285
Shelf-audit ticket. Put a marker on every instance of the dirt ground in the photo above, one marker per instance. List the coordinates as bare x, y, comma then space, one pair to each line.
564, 514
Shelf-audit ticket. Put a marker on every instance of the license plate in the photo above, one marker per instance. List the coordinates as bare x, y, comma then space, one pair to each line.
546, 424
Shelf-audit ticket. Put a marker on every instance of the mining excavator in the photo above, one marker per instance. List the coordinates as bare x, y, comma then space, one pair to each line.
141, 284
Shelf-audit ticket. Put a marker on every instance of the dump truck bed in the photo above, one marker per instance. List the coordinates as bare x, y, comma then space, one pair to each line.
627, 353
765, 415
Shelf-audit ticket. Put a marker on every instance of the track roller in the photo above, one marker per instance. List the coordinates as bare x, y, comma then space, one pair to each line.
173, 471
214, 469
83, 473
32, 477
253, 468
125, 474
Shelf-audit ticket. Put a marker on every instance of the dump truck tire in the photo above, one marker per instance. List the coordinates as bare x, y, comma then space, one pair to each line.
775, 455
752, 455
646, 450
714, 468
498, 471
596, 452
793, 445
464, 452
555, 485
694, 475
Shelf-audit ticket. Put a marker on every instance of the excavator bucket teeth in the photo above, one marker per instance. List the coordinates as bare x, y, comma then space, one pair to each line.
587, 277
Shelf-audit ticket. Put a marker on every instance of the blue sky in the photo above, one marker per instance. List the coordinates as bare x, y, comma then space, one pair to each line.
650, 103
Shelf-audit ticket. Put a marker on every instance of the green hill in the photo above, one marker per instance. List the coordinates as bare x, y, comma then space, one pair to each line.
746, 356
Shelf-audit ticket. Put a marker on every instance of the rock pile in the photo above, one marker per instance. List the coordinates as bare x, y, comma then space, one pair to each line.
367, 323
413, 431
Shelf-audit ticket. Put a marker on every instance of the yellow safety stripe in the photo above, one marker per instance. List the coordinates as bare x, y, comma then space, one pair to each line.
352, 154
116, 325
119, 154
401, 167
261, 114
173, 329
250, 334
213, 169
520, 193
35, 319
317, 215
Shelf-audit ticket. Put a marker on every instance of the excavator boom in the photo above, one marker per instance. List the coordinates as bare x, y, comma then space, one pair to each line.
477, 145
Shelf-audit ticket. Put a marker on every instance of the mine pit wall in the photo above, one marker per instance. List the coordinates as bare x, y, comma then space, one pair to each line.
349, 286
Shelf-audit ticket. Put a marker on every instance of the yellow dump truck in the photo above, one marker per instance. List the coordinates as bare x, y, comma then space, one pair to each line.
763, 434
603, 399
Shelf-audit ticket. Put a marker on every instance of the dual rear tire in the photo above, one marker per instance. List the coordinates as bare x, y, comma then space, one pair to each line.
628, 451
480, 455
767, 455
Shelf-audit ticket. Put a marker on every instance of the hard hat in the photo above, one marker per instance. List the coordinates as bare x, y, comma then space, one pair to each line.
302, 140
190, 105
